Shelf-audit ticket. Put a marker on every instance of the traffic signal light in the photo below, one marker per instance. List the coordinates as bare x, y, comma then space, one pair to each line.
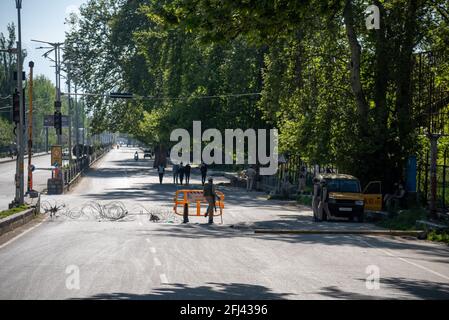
16, 107
58, 122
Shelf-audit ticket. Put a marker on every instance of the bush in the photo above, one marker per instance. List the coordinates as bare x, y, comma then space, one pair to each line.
438, 236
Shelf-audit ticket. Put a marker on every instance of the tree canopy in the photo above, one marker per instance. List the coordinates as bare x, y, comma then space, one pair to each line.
338, 93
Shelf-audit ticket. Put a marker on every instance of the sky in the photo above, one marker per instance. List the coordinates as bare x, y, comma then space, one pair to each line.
41, 20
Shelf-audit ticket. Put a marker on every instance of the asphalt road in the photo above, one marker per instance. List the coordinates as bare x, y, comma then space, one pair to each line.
138, 259
8, 171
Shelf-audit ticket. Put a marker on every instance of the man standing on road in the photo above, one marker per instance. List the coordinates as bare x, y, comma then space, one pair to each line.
203, 169
175, 173
187, 169
160, 171
250, 175
181, 173
209, 194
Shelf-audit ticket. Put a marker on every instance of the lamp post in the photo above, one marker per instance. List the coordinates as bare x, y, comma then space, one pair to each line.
56, 47
19, 199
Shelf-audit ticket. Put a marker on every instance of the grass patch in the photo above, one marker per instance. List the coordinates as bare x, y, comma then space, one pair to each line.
6, 213
438, 236
404, 220
305, 200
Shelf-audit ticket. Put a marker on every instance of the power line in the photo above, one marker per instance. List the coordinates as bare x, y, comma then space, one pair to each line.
137, 97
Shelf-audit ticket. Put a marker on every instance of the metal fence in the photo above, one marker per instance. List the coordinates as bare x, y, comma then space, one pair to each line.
423, 181
71, 171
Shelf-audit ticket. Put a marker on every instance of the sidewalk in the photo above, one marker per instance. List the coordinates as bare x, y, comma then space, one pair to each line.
5, 160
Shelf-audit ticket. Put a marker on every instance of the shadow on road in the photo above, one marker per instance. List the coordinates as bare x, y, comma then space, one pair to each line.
408, 289
428, 251
211, 291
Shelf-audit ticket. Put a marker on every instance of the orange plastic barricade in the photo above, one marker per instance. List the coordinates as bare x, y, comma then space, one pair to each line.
186, 198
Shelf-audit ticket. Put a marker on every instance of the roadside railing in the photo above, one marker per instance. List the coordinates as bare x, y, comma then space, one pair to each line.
73, 170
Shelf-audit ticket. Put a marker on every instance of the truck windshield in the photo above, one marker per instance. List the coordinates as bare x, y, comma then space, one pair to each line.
343, 185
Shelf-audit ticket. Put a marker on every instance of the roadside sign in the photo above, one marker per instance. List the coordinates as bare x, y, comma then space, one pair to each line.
56, 156
49, 121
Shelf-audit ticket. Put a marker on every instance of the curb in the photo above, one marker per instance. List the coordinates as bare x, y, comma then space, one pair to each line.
18, 219
413, 233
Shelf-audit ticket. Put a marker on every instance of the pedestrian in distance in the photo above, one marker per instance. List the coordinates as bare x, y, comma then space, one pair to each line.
175, 173
161, 171
210, 195
181, 173
203, 169
187, 170
250, 176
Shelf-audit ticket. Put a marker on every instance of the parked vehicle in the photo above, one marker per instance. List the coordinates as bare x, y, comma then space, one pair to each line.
147, 153
340, 195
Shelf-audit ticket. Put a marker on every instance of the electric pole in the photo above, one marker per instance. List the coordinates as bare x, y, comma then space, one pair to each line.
19, 199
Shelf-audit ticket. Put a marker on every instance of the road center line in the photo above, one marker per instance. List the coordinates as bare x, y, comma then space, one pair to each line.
406, 261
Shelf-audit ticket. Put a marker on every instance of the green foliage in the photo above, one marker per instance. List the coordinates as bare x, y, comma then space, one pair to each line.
404, 220
438, 236
305, 200
6, 133
302, 56
9, 212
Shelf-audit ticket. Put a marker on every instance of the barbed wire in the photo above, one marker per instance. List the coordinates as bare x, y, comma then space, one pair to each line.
111, 211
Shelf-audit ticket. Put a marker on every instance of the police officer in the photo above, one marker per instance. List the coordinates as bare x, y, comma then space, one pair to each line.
209, 194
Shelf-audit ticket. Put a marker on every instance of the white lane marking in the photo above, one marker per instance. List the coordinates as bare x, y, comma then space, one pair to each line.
157, 262
148, 240
153, 250
22, 234
407, 261
164, 279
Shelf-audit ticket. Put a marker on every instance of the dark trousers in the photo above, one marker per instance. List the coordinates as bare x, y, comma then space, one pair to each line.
181, 178
210, 208
161, 176
203, 178
187, 178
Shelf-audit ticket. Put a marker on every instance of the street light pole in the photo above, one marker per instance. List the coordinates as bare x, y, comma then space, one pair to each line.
19, 199
70, 116
56, 47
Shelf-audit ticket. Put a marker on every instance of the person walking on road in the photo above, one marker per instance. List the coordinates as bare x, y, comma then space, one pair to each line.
187, 169
161, 171
250, 176
203, 169
181, 173
209, 194
175, 173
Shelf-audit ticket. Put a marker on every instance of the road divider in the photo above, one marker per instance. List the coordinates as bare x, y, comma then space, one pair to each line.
19, 219
413, 233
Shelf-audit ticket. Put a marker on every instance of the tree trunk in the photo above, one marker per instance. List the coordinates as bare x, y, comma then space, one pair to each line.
356, 83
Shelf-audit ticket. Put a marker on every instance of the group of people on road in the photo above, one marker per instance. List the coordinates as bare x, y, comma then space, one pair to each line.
179, 172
